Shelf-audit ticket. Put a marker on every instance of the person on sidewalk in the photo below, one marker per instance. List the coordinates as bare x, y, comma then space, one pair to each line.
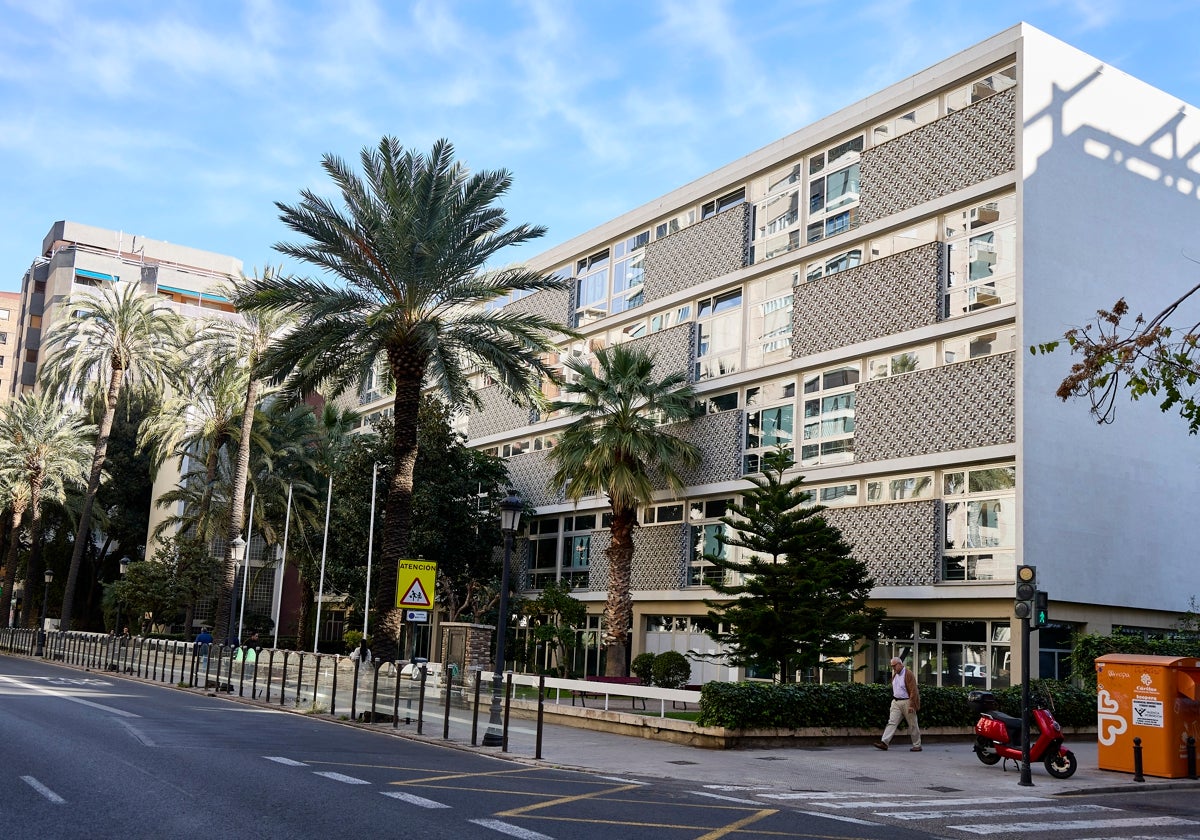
906, 702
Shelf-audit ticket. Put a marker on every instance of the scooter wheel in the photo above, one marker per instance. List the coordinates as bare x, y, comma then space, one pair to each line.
1061, 766
986, 750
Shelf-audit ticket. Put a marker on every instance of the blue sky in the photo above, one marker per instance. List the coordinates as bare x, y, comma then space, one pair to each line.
185, 121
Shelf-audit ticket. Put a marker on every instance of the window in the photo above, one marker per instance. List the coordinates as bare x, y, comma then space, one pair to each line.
3, 338
577, 549
903, 240
720, 205
666, 320
833, 190
981, 257
719, 335
704, 533
720, 402
543, 553
591, 288
836, 495
1, 361
629, 272
674, 225
963, 347
980, 523
777, 216
963, 653
663, 514
828, 436
989, 85
901, 488
906, 361
5, 314
833, 264
770, 329
924, 113
766, 430
31, 356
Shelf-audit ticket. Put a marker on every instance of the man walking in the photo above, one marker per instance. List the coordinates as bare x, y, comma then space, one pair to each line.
906, 702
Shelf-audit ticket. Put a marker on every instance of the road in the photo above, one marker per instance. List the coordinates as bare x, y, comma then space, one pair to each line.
87, 755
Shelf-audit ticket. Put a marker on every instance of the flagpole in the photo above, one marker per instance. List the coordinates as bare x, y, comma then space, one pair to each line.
324, 546
246, 569
287, 521
370, 549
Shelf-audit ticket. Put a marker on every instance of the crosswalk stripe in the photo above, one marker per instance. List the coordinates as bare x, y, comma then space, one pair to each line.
1071, 825
935, 803
511, 830
413, 799
992, 812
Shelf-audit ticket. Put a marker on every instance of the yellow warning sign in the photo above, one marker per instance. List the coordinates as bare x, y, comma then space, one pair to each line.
414, 584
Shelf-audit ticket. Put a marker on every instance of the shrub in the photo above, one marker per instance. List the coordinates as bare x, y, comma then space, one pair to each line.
642, 667
1086, 647
671, 669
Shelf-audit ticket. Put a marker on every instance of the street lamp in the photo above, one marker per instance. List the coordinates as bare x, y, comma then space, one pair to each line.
41, 635
510, 520
238, 548
124, 567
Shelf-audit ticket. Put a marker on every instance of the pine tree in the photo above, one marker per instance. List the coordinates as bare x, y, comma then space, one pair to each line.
799, 595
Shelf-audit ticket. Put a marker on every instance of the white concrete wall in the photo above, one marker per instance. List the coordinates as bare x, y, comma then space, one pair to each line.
1109, 210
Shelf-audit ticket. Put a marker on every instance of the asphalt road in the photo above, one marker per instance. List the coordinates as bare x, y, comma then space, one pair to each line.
83, 755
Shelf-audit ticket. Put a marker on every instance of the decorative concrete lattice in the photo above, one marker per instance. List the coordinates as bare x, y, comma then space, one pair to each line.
879, 298
554, 304
719, 437
497, 414
705, 250
942, 409
955, 152
529, 473
658, 559
674, 350
898, 542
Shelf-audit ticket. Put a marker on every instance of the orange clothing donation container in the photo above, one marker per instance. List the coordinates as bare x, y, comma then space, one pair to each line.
1149, 697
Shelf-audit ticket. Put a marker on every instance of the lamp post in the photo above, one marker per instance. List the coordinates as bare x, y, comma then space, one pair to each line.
510, 520
123, 565
238, 547
41, 635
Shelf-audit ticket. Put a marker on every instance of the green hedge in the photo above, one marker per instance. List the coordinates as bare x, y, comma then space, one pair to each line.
754, 705
1086, 647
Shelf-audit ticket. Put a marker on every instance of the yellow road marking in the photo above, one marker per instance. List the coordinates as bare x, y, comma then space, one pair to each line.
446, 776
734, 826
758, 832
564, 800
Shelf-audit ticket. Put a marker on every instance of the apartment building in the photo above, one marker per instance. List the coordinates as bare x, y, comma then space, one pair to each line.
861, 291
76, 258
10, 303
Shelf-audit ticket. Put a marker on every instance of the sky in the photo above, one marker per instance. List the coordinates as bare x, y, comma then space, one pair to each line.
186, 122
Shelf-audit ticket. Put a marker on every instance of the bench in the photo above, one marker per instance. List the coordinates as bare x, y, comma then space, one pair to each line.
583, 695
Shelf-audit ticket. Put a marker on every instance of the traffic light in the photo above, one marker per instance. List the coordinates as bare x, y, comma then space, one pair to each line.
1026, 591
1041, 609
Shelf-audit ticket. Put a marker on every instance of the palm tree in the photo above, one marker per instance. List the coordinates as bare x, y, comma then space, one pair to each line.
408, 249
16, 494
112, 340
43, 447
618, 446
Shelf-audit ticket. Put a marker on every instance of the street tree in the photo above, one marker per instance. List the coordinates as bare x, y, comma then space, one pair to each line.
112, 340
406, 249
795, 597
617, 444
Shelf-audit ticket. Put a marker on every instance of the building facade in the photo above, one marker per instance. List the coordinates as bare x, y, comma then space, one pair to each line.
860, 292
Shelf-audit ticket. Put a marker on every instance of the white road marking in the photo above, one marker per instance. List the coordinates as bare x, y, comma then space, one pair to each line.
937, 803
838, 817
837, 794
737, 787
281, 760
412, 799
622, 781
339, 777
43, 790
1071, 825
511, 830
64, 696
724, 798
992, 812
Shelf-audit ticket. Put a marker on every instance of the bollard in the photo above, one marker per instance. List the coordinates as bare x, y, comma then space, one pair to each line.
354, 693
1137, 760
333, 689
449, 688
375, 690
475, 712
254, 680
537, 751
396, 698
299, 679
283, 678
421, 701
242, 675
1191, 757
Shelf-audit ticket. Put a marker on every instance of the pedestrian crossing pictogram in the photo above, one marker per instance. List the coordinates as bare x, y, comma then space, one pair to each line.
416, 596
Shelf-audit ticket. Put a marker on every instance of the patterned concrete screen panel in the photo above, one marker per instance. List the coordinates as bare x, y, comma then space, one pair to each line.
658, 559
529, 474
719, 438
554, 304
497, 414
960, 406
879, 298
898, 542
674, 350
708, 249
959, 150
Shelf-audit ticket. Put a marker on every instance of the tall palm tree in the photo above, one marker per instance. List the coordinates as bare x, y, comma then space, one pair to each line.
407, 251
617, 446
44, 447
112, 340
16, 495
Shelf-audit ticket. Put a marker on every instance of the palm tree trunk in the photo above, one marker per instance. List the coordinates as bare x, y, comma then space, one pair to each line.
10, 565
397, 519
237, 514
34, 568
83, 532
618, 608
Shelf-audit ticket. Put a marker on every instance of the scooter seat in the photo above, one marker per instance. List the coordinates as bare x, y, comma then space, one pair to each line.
1008, 720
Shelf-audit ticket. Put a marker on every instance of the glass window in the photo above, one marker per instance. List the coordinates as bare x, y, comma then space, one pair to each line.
902, 124
981, 257
833, 189
719, 335
828, 431
980, 89
704, 541
963, 347
903, 240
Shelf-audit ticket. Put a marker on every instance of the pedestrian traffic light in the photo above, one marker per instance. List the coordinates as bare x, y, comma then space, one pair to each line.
1041, 609
1026, 590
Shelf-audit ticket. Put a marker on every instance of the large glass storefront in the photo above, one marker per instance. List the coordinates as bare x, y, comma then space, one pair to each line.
949, 652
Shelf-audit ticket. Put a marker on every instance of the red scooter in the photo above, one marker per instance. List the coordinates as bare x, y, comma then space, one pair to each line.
998, 736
